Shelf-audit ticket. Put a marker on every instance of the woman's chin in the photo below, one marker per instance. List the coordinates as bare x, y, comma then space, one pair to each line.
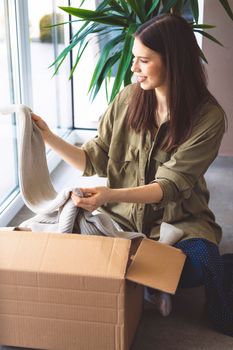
145, 86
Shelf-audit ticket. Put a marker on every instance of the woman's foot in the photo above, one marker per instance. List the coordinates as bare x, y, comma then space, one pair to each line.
161, 301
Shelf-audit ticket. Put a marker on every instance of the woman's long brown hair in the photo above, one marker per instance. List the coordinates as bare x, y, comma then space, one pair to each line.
173, 38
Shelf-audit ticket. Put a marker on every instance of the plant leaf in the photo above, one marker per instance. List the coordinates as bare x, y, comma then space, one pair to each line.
153, 6
58, 66
201, 54
82, 2
59, 24
203, 26
117, 6
124, 6
177, 8
207, 35
168, 5
64, 53
96, 16
138, 7
77, 39
195, 9
79, 55
125, 60
227, 8
103, 4
128, 75
105, 70
104, 55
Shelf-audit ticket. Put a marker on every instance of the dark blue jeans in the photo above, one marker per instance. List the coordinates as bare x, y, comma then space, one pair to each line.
193, 271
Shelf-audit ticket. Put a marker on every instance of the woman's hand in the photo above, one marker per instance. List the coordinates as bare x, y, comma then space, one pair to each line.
42, 125
97, 196
92, 198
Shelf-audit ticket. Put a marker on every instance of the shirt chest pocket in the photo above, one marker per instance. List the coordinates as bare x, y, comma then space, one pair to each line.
160, 156
122, 167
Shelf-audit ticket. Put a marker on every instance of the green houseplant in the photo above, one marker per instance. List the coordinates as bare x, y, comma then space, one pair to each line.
122, 18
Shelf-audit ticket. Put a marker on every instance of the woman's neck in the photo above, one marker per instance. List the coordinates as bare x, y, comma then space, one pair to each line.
162, 110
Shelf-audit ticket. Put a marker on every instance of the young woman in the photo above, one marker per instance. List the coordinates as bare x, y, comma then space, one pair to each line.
154, 144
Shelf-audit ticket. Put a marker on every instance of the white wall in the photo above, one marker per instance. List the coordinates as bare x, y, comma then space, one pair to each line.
220, 64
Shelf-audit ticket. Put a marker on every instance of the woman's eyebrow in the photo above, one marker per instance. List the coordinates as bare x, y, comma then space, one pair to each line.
140, 56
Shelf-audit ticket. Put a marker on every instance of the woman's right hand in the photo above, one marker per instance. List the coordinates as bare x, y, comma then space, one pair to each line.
42, 125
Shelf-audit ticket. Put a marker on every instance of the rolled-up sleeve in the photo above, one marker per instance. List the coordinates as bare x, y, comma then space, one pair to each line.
178, 176
96, 157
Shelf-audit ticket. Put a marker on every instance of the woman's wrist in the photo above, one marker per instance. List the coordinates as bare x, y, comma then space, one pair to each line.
48, 135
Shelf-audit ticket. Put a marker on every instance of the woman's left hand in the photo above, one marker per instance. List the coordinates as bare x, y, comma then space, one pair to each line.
92, 198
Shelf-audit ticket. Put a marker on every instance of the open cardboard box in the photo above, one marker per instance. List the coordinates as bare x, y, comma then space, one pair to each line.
70, 291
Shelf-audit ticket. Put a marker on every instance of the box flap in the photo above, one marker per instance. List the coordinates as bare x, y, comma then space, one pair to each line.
64, 254
157, 265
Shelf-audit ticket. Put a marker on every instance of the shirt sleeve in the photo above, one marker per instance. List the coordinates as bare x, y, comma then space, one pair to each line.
179, 175
97, 149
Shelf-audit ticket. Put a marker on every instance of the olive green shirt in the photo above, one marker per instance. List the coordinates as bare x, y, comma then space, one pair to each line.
130, 159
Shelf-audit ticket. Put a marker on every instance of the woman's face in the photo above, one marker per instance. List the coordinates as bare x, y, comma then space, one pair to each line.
148, 67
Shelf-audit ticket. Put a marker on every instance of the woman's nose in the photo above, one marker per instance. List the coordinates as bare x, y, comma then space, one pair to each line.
134, 67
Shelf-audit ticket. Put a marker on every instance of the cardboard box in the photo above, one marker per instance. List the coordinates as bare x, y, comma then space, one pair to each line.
77, 292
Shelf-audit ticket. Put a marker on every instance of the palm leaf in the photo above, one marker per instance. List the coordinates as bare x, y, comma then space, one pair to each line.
117, 7
167, 5
104, 55
104, 72
227, 8
203, 26
76, 40
138, 7
207, 35
177, 8
128, 75
201, 54
195, 9
78, 57
125, 60
124, 6
153, 7
64, 53
99, 17
103, 5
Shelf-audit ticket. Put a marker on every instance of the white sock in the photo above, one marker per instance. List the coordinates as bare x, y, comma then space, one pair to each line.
161, 301
170, 234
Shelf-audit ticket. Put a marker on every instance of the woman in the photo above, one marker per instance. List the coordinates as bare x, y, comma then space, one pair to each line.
154, 144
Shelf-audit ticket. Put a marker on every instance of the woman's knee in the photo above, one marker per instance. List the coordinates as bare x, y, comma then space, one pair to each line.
197, 252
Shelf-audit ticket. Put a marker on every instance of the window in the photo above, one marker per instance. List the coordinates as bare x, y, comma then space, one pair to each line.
27, 49
8, 158
51, 96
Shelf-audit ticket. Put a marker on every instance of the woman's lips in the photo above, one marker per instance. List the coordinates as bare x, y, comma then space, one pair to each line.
141, 79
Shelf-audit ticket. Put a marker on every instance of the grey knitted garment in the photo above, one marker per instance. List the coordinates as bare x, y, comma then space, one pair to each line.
56, 212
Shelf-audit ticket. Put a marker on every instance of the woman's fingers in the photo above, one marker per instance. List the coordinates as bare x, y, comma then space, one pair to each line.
88, 192
87, 203
39, 122
92, 198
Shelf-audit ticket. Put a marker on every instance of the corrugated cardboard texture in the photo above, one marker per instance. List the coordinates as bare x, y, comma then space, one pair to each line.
157, 265
66, 292
133, 310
